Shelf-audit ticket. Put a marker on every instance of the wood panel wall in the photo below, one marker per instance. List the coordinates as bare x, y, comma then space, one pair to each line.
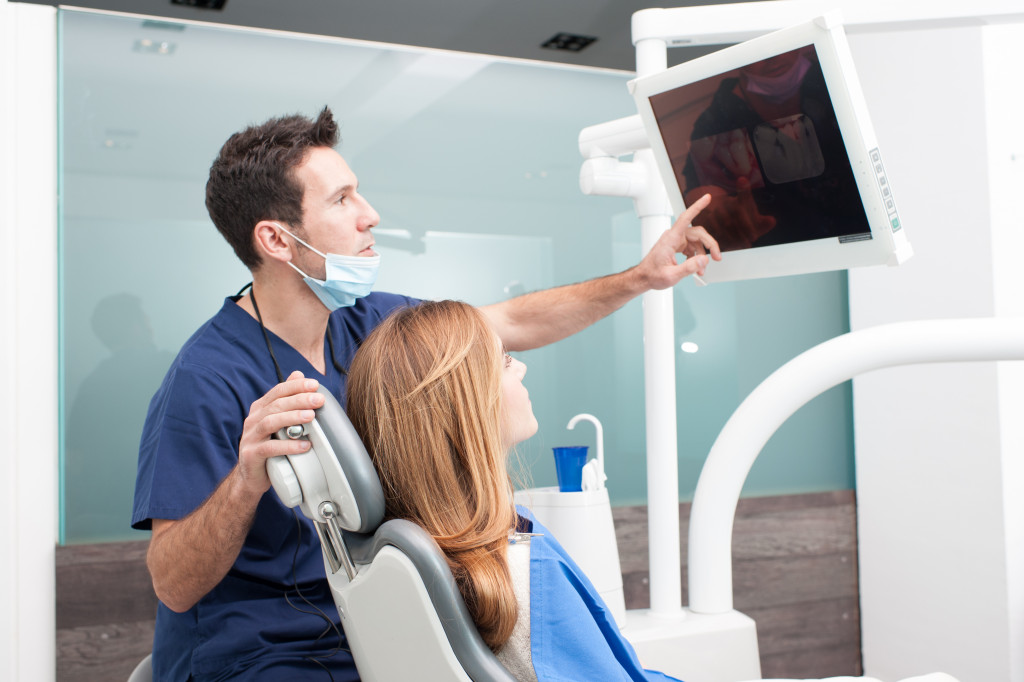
794, 573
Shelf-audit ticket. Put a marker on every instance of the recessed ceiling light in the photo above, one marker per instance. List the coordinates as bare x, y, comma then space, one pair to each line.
568, 41
201, 4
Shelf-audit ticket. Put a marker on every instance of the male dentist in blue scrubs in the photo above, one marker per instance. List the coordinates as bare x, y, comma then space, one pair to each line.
239, 576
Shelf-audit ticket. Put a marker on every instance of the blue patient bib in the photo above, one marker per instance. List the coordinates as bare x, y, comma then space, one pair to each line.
573, 635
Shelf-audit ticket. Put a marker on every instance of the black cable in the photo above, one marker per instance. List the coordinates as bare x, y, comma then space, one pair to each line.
330, 345
266, 337
263, 328
317, 611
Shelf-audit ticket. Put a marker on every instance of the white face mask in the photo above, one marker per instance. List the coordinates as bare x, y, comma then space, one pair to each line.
782, 87
347, 278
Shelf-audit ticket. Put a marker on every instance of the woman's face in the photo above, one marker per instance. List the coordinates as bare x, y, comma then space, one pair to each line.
517, 420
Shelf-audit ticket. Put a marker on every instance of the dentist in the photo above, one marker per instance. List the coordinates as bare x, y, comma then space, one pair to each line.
239, 576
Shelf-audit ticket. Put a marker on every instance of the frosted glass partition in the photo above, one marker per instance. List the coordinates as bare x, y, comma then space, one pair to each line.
471, 162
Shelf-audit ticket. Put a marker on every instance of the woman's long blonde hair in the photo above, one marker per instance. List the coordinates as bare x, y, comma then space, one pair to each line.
424, 394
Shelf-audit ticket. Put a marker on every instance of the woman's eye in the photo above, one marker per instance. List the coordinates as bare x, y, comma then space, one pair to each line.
508, 360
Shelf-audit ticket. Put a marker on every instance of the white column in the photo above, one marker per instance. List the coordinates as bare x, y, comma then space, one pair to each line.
659, 382
1002, 55
28, 341
937, 447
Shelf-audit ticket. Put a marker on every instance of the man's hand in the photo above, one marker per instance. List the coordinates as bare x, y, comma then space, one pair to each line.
290, 402
188, 557
660, 268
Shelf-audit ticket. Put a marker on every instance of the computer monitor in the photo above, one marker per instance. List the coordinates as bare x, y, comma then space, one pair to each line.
777, 130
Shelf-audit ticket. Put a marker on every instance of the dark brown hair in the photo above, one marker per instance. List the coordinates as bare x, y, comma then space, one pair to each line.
253, 177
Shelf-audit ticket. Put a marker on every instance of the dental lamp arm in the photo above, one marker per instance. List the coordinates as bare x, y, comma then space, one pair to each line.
542, 317
188, 557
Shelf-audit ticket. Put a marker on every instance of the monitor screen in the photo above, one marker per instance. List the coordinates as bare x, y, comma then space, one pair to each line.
775, 129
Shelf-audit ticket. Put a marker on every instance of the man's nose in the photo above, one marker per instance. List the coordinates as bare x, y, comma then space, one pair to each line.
370, 217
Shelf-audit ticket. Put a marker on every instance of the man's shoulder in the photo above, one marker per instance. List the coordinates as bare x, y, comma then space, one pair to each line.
386, 301
370, 310
223, 352
218, 337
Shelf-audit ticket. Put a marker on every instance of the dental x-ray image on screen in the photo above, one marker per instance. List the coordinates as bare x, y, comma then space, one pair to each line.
776, 131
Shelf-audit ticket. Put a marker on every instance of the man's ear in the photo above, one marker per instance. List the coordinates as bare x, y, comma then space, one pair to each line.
271, 241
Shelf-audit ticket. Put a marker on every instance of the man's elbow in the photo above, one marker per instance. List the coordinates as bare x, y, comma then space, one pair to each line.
168, 590
172, 599
173, 603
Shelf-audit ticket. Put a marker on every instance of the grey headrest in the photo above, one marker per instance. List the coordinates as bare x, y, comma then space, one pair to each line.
355, 463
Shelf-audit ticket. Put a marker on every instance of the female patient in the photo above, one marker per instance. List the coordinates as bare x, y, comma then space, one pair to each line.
439, 404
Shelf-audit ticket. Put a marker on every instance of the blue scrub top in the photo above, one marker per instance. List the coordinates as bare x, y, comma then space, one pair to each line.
270, 618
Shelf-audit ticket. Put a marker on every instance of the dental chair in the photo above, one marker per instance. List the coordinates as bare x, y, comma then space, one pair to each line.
402, 612
400, 607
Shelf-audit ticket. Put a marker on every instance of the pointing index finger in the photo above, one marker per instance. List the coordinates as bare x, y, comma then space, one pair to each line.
693, 209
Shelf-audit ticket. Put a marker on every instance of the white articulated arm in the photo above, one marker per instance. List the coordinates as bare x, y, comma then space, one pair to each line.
602, 173
613, 138
787, 390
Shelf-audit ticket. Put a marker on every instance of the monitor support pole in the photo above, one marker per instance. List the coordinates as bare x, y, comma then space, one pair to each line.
603, 173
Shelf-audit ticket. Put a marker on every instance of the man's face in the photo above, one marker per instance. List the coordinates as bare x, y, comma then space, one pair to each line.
335, 217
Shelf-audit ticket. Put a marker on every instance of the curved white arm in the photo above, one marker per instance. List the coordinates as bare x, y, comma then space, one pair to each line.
788, 389
614, 138
600, 441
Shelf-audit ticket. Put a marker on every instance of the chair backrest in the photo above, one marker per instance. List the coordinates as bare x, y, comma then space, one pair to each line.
143, 671
402, 611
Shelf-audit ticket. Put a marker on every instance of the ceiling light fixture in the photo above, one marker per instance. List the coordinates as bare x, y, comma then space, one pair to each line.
201, 4
568, 41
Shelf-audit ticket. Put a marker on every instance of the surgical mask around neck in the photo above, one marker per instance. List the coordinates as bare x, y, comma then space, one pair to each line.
782, 87
347, 278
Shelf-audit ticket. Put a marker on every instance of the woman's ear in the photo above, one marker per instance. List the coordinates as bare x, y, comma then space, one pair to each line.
270, 241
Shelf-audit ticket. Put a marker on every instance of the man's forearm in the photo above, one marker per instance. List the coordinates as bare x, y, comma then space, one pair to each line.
187, 558
542, 317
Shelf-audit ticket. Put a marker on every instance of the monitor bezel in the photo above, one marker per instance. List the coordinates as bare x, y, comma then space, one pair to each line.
888, 243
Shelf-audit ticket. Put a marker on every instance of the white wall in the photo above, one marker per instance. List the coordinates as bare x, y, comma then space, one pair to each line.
28, 341
1003, 55
939, 448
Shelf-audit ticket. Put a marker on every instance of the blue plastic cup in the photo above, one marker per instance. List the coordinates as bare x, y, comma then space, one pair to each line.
569, 463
